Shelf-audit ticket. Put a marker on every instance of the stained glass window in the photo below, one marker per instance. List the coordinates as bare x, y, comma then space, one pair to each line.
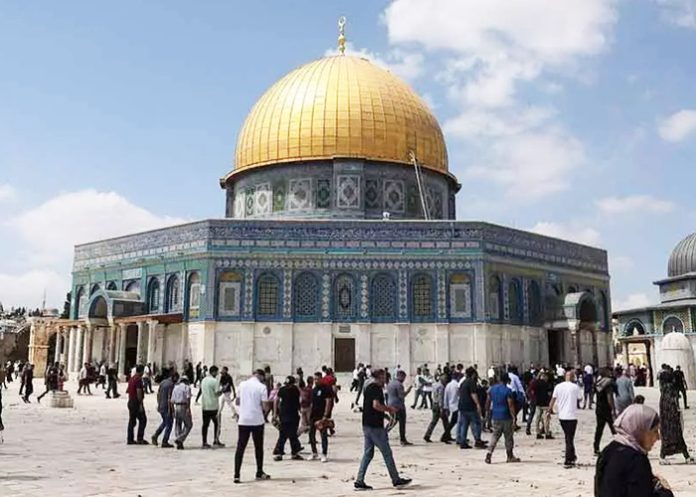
268, 295
153, 295
494, 298
422, 296
383, 297
306, 296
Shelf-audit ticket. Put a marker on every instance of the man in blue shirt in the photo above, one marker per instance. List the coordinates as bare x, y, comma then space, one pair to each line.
501, 403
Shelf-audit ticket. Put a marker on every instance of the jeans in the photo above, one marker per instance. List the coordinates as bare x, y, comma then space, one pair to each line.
502, 427
465, 419
569, 426
543, 423
530, 415
288, 431
427, 397
419, 392
438, 415
136, 415
209, 416
603, 418
111, 389
183, 422
360, 391
313, 438
256, 432
452, 423
375, 436
165, 426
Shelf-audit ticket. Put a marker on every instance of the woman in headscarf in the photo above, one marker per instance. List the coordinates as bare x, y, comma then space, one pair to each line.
623, 468
670, 420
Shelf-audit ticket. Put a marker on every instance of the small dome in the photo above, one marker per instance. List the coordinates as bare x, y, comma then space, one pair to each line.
675, 341
683, 258
340, 106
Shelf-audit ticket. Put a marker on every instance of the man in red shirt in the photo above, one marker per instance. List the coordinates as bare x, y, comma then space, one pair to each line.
136, 408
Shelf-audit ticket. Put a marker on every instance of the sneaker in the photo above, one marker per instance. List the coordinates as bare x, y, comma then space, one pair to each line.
154, 440
480, 444
549, 437
262, 476
540, 436
528, 432
218, 443
206, 446
513, 459
427, 439
277, 458
166, 445
237, 479
465, 446
297, 457
143, 442
324, 458
179, 445
315, 457
131, 442
406, 443
487, 460
569, 465
402, 482
361, 485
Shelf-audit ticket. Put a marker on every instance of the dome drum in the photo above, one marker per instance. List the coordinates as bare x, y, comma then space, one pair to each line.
339, 189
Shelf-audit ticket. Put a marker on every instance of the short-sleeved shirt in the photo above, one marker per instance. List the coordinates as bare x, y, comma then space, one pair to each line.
567, 395
466, 389
135, 383
164, 395
396, 394
226, 383
289, 402
252, 395
181, 393
320, 395
542, 393
370, 416
499, 395
306, 396
209, 393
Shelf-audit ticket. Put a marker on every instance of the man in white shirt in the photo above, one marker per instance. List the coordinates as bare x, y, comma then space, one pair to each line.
181, 404
450, 403
252, 400
518, 390
566, 396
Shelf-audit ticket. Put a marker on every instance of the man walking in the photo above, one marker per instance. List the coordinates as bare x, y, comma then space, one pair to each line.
27, 382
501, 402
322, 406
542, 397
680, 383
451, 404
112, 383
164, 407
287, 410
51, 380
253, 404
136, 408
605, 412
228, 394
470, 411
419, 386
181, 402
396, 397
439, 414
210, 391
566, 396
375, 434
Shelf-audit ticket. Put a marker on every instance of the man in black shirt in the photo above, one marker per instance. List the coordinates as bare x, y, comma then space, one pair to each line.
605, 411
470, 411
680, 383
375, 434
287, 409
322, 405
543, 391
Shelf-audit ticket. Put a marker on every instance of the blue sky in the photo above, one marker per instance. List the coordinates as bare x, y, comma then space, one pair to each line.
575, 119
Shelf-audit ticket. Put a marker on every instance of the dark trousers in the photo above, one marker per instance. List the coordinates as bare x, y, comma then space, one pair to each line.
288, 431
111, 389
452, 423
401, 419
419, 392
360, 391
209, 416
165, 426
438, 415
530, 415
313, 438
683, 394
48, 389
136, 415
427, 397
256, 433
28, 390
569, 426
603, 418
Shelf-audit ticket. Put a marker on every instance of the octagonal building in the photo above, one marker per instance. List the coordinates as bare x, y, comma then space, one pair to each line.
339, 245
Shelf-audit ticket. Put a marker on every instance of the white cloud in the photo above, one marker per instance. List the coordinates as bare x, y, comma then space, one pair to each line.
620, 263
407, 65
632, 301
679, 12
530, 165
678, 126
7, 192
573, 232
634, 204
50, 231
475, 123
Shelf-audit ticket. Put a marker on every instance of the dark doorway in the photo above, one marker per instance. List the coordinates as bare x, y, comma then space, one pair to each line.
131, 348
555, 347
51, 350
344, 355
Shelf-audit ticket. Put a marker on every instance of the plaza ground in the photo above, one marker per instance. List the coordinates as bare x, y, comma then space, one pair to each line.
82, 452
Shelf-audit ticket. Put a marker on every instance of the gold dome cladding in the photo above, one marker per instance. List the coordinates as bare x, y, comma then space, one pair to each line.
340, 106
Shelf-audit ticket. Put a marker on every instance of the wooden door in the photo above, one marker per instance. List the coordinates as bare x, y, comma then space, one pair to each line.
344, 355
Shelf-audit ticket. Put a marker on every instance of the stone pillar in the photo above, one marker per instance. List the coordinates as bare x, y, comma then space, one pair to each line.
574, 346
87, 345
595, 352
59, 345
140, 356
71, 349
151, 342
122, 337
79, 348
624, 351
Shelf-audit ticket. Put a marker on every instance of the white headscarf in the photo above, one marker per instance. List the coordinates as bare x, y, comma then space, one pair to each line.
634, 421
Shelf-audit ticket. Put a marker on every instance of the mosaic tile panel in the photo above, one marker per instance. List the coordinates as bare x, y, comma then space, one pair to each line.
323, 194
394, 200
348, 192
372, 194
300, 194
263, 199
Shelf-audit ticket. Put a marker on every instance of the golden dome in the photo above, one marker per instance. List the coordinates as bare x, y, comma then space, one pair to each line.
340, 106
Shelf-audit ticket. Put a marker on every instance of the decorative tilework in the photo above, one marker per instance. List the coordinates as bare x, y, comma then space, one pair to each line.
403, 295
323, 194
412, 200
249, 202
348, 192
239, 202
279, 197
300, 194
364, 307
383, 298
441, 295
306, 296
394, 200
325, 296
372, 197
263, 199
287, 294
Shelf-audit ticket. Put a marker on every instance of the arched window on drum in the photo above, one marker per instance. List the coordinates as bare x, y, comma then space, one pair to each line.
153, 296
495, 298
422, 297
515, 301
194, 295
267, 296
229, 294
536, 316
344, 297
173, 294
383, 298
460, 296
306, 297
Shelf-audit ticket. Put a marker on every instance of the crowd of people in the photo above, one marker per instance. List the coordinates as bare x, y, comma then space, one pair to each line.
500, 402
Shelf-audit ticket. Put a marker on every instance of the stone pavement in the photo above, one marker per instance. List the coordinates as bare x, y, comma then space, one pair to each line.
82, 452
